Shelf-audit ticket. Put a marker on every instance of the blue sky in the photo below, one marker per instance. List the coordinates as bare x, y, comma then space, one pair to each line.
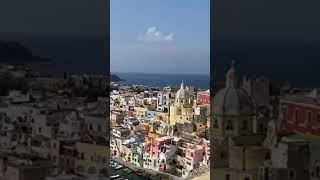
160, 36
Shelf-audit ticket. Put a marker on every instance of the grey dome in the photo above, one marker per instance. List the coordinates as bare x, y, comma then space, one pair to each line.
232, 102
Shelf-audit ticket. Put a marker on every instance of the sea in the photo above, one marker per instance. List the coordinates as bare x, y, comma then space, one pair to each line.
295, 62
201, 81
124, 175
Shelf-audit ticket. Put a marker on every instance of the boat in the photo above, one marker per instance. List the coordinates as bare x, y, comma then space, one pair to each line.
129, 171
126, 169
114, 176
118, 167
113, 165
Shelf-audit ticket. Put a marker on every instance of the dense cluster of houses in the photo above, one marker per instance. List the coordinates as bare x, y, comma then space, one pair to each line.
164, 130
47, 132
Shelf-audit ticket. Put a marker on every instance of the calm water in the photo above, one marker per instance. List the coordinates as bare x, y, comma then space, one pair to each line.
162, 80
124, 175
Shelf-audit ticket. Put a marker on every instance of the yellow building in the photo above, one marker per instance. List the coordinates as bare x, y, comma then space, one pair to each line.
151, 136
140, 112
92, 158
147, 127
162, 116
126, 153
208, 123
181, 111
152, 104
200, 127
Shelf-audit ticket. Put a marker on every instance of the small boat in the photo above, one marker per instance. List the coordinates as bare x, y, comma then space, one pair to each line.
128, 172
114, 176
118, 167
126, 169
113, 165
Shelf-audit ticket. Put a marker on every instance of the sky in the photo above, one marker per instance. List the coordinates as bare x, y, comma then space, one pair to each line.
73, 33
160, 36
277, 39
267, 19
53, 17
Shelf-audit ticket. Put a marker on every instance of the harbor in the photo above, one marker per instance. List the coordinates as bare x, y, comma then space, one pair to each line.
121, 172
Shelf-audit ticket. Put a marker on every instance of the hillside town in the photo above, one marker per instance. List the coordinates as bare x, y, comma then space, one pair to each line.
61, 129
52, 128
163, 130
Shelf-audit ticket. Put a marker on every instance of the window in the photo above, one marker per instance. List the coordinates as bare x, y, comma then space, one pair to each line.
284, 112
39, 129
244, 125
229, 125
266, 174
318, 119
291, 174
296, 116
215, 123
227, 176
308, 124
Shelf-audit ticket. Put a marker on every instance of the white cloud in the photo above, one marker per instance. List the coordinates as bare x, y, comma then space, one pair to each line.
154, 35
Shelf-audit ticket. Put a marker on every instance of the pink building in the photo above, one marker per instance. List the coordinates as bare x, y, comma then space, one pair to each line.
157, 145
203, 97
194, 155
130, 111
117, 117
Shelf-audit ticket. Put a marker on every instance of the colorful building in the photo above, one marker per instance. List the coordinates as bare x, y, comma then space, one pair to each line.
203, 97
182, 109
140, 112
301, 113
92, 158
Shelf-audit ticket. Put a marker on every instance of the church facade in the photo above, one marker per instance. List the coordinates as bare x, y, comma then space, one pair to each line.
239, 150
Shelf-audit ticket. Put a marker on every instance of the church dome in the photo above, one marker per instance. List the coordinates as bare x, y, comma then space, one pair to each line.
182, 92
232, 100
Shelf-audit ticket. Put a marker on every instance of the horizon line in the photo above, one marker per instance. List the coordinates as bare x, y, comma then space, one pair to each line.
162, 73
